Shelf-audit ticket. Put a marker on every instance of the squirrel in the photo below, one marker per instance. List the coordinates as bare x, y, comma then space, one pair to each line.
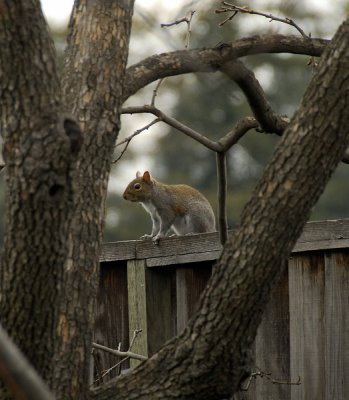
180, 207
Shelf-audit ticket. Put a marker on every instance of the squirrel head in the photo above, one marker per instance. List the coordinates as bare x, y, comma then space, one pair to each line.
140, 188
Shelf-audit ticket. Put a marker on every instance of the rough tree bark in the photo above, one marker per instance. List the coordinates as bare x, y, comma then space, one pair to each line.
57, 185
39, 159
50, 267
93, 76
209, 358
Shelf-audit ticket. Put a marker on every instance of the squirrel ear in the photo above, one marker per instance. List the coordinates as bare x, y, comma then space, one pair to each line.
146, 177
138, 174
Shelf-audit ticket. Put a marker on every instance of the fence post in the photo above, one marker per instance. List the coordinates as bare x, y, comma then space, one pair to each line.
137, 306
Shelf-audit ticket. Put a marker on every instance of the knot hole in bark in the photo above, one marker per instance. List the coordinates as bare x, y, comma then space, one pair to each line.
72, 130
55, 190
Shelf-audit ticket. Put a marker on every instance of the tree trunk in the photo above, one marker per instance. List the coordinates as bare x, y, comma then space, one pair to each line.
209, 358
49, 269
39, 159
56, 192
95, 63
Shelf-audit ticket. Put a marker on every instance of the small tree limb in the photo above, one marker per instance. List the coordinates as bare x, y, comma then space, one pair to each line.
119, 353
210, 144
221, 158
227, 7
129, 138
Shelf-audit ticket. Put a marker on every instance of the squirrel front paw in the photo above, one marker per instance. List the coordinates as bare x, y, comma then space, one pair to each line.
146, 236
156, 239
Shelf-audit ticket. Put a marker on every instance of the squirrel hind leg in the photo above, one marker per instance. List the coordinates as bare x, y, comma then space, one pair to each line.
184, 225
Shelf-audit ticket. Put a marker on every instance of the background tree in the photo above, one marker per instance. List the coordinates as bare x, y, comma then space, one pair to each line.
284, 79
57, 177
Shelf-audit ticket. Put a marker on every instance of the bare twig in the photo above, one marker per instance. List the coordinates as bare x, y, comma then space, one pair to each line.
134, 337
220, 147
187, 40
227, 7
187, 20
119, 353
177, 22
155, 91
106, 372
129, 138
246, 384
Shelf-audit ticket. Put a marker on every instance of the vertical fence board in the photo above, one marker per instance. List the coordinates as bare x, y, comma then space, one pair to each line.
190, 282
161, 306
137, 301
304, 330
111, 323
272, 346
306, 285
337, 325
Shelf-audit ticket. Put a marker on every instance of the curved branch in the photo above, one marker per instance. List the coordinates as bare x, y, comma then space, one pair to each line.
210, 144
240, 128
260, 106
209, 60
210, 358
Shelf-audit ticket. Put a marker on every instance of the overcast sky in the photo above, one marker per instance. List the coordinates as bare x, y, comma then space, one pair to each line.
57, 12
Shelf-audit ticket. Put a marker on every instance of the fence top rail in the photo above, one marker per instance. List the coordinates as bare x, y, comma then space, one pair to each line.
316, 235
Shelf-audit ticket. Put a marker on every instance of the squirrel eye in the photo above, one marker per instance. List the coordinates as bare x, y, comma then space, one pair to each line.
137, 186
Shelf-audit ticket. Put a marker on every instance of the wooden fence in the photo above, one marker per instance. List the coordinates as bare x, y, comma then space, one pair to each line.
305, 329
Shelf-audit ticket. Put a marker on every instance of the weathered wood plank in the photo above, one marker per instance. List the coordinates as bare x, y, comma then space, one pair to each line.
307, 344
328, 244
191, 280
272, 345
137, 302
161, 306
316, 235
183, 259
336, 229
337, 325
176, 245
111, 321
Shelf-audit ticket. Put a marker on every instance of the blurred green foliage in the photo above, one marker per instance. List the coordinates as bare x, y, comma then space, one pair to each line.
211, 104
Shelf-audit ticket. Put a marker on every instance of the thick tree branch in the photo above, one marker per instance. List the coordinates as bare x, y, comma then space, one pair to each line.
210, 60
93, 76
269, 121
255, 255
